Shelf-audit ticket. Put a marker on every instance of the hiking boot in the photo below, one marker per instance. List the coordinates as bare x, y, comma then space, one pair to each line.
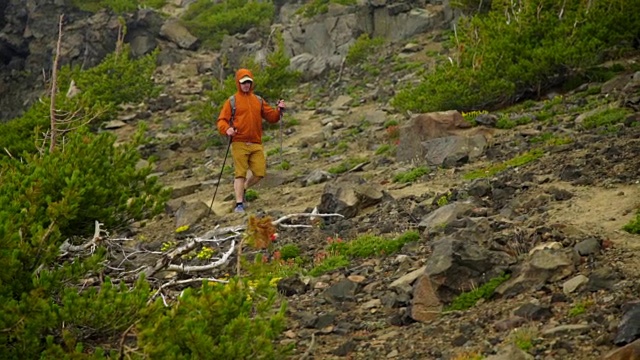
239, 208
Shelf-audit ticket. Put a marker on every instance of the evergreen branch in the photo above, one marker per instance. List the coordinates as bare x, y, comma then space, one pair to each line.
182, 282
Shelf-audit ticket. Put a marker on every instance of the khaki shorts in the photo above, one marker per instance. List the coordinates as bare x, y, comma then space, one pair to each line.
248, 156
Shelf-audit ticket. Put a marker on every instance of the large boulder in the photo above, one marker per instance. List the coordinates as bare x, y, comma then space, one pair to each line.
423, 127
457, 266
348, 195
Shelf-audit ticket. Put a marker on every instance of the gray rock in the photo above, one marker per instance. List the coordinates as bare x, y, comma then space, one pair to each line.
184, 189
190, 213
542, 266
409, 278
175, 32
426, 305
574, 283
311, 67
292, 286
444, 215
479, 188
533, 312
510, 352
628, 352
348, 195
344, 349
588, 247
316, 177
456, 266
603, 279
452, 151
567, 329
629, 327
344, 290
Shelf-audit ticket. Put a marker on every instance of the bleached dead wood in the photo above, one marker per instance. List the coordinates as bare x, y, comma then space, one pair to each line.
67, 247
54, 88
127, 250
195, 268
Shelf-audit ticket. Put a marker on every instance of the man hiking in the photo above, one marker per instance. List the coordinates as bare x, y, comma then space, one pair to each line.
241, 120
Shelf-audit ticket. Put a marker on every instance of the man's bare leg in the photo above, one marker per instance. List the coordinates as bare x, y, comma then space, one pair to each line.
251, 180
238, 188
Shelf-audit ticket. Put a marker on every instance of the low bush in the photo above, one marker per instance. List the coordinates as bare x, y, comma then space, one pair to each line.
328, 263
362, 48
118, 6
370, 245
411, 175
209, 20
117, 79
517, 161
231, 321
633, 227
467, 300
316, 7
346, 165
519, 49
606, 118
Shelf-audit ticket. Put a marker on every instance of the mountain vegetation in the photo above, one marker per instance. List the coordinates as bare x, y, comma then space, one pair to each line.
53, 305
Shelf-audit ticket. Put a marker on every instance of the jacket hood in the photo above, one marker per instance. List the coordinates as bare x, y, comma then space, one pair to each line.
242, 73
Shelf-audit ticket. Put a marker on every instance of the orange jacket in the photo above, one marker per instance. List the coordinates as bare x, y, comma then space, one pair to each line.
249, 113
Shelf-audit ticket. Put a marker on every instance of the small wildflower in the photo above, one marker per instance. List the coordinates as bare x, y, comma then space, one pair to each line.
273, 237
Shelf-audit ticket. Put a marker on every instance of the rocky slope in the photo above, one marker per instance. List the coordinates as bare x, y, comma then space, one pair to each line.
546, 206
552, 221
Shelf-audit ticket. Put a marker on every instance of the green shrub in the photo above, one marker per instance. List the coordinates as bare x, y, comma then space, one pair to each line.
118, 6
517, 161
362, 48
289, 251
579, 308
251, 195
209, 20
523, 337
606, 118
467, 300
316, 7
383, 149
232, 321
411, 175
390, 123
369, 245
520, 49
329, 263
633, 227
117, 79
346, 165
284, 165
44, 200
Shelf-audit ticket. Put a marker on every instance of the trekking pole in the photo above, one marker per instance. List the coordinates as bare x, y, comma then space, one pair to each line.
220, 176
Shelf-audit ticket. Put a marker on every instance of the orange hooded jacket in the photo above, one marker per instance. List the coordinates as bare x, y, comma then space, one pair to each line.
249, 113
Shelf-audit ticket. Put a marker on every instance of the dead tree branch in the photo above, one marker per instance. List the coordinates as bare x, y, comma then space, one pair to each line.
54, 87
